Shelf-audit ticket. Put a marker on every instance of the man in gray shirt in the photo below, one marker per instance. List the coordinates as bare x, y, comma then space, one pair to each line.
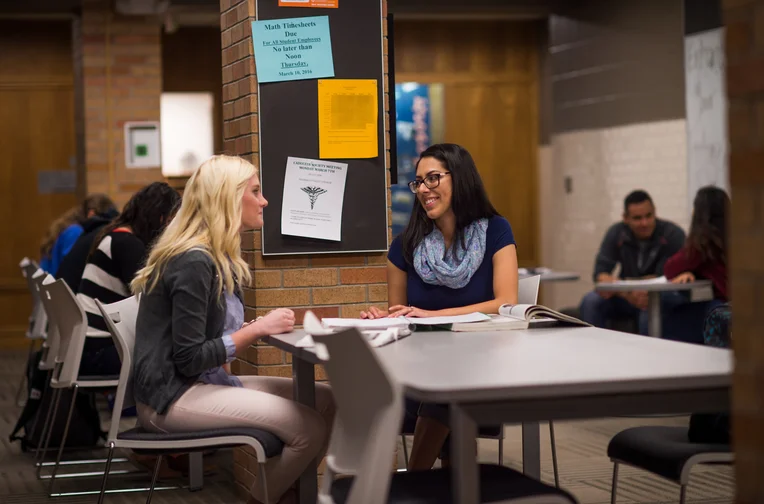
641, 244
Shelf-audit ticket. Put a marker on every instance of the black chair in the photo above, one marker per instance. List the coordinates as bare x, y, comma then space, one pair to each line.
665, 451
671, 452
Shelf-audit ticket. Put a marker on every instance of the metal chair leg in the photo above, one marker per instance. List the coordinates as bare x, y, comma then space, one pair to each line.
47, 429
45, 391
405, 450
154, 477
554, 455
261, 475
106, 473
682, 493
75, 389
615, 483
24, 373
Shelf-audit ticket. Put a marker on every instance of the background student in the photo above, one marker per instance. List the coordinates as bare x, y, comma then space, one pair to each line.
704, 256
66, 229
118, 252
640, 244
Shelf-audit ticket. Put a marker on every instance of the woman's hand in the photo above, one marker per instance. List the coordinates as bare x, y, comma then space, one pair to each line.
685, 277
279, 321
373, 313
408, 311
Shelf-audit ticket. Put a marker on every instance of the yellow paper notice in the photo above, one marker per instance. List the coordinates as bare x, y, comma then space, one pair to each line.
347, 118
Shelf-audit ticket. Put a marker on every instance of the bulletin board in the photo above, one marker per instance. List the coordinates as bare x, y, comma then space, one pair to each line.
288, 115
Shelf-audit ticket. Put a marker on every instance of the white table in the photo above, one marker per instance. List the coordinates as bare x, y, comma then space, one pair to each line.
532, 375
553, 276
700, 290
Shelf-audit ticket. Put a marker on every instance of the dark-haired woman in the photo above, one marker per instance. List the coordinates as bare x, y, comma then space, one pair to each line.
456, 256
118, 253
704, 256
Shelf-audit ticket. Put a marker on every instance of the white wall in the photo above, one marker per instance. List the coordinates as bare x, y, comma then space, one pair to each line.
706, 111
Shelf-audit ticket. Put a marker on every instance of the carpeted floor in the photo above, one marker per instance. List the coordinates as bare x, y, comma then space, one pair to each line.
585, 470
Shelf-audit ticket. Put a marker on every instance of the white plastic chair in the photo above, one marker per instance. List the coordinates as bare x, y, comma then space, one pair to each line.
369, 411
36, 329
120, 318
71, 322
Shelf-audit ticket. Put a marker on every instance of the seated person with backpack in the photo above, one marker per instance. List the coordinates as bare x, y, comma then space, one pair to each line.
704, 256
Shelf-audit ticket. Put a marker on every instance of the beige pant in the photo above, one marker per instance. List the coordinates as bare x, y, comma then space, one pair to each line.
265, 403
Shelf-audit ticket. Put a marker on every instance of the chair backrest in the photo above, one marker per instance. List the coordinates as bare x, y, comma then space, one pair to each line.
53, 340
369, 414
72, 326
38, 320
528, 290
120, 318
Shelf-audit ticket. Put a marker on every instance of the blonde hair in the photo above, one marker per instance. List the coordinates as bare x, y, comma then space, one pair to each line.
209, 219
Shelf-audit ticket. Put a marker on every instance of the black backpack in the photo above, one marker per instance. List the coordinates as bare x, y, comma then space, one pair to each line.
85, 428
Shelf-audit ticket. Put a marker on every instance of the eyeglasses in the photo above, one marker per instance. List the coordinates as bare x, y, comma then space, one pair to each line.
431, 181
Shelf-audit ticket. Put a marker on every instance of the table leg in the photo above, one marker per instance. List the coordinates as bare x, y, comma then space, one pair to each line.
532, 450
195, 471
465, 480
303, 374
654, 314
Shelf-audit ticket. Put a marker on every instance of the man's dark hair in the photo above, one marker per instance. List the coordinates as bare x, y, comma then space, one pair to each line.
635, 198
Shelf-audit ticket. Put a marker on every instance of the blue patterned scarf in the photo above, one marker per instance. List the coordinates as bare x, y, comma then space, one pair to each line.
453, 267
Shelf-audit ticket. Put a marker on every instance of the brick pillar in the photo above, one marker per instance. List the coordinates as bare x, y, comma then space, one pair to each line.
122, 81
744, 20
331, 286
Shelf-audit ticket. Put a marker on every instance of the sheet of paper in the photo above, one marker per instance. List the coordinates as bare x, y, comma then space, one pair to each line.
455, 319
316, 4
292, 49
647, 281
347, 119
383, 323
314, 192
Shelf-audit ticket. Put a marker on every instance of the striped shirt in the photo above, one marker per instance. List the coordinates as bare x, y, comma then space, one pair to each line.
107, 276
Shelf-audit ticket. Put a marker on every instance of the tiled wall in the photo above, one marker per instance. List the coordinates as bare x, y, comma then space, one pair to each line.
602, 166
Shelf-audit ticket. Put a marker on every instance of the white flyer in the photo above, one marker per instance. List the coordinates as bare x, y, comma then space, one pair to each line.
314, 192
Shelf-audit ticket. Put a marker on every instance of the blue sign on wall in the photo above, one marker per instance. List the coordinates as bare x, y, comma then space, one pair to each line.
412, 125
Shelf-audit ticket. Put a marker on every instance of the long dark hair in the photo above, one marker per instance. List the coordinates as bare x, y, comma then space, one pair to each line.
708, 230
469, 200
146, 214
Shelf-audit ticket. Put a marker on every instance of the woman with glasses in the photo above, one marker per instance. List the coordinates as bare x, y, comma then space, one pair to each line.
456, 256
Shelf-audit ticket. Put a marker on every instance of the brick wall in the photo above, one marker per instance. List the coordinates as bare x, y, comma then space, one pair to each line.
744, 20
122, 77
330, 285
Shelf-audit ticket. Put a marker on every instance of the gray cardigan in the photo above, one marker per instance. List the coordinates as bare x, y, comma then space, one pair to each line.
178, 333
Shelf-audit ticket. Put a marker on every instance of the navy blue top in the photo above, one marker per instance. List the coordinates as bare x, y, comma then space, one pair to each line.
478, 290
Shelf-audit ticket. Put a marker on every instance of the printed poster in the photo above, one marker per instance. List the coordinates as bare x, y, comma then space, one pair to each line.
292, 49
347, 119
314, 192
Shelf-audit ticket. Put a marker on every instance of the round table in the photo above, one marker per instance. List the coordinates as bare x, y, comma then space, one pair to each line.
701, 290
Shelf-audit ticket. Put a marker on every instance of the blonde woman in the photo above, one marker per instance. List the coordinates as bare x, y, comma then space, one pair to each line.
191, 323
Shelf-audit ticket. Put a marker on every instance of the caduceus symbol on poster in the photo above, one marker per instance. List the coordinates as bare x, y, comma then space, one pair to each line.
313, 193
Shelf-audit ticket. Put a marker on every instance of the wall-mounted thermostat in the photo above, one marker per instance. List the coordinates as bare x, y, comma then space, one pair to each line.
142, 145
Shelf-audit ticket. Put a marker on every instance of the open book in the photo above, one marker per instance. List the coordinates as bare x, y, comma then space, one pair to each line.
530, 313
